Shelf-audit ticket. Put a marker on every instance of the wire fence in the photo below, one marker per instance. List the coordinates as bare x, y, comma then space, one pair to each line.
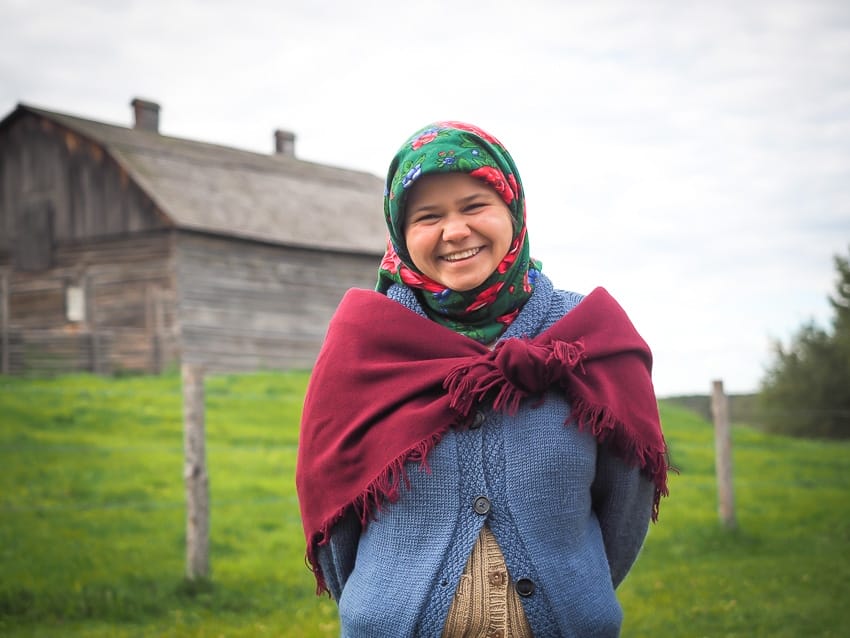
163, 404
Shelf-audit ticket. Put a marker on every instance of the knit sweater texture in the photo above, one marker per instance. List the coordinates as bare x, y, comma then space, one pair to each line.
569, 517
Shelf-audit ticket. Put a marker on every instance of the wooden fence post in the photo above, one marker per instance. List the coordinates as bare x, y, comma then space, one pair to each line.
153, 324
91, 321
195, 474
723, 455
4, 322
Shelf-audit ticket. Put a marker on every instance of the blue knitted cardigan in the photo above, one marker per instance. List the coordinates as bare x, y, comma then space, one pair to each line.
569, 516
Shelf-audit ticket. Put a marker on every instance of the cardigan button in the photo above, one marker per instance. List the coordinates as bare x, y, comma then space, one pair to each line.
477, 420
497, 578
481, 505
525, 587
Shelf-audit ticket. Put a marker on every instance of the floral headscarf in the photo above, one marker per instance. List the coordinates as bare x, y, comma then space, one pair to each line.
482, 313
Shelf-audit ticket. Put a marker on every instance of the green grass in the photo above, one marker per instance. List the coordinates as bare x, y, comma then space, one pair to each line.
92, 521
92, 510
785, 570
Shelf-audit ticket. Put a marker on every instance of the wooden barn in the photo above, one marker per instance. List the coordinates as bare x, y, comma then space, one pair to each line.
122, 249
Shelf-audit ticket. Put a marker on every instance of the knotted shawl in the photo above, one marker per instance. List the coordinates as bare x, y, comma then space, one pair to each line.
379, 398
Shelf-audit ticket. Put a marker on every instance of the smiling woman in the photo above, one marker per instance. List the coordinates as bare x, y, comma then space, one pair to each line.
457, 229
439, 398
448, 191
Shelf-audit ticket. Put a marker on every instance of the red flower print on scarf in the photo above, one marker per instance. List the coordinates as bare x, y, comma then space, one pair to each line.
428, 136
414, 279
391, 261
486, 297
510, 258
508, 319
463, 126
514, 185
495, 178
392, 264
526, 284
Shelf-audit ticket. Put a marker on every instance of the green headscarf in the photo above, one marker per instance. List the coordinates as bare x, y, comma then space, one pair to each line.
482, 313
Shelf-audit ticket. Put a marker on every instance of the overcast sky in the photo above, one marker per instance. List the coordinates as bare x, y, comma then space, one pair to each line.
691, 157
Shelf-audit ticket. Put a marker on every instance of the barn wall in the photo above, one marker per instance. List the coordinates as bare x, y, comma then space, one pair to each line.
127, 291
248, 306
66, 182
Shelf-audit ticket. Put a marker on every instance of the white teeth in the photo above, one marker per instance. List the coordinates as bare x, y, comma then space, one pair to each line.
461, 255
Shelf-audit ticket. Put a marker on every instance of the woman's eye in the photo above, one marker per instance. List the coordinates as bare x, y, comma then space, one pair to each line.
424, 218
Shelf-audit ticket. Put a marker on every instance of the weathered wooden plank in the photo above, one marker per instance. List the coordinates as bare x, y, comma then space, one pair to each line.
53, 351
39, 309
34, 236
89, 191
48, 352
246, 305
234, 353
117, 278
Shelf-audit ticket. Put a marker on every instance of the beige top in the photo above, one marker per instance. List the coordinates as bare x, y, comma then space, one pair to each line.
486, 604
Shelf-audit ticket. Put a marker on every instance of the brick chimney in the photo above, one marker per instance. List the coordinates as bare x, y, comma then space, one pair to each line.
146, 115
284, 143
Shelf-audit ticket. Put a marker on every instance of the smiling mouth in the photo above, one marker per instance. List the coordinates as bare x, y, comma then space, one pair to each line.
463, 254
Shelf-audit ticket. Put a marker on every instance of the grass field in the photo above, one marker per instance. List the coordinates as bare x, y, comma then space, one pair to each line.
92, 521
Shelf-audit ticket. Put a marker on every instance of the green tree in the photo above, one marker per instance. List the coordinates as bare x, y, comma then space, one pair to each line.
806, 391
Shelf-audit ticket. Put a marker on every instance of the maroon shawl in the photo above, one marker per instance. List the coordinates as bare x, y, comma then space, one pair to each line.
389, 383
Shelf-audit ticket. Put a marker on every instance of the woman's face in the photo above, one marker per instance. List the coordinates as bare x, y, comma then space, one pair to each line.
457, 229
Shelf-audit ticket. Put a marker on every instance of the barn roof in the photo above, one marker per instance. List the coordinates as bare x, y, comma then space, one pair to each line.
273, 198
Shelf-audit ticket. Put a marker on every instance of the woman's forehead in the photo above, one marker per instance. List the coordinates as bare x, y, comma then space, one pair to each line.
445, 187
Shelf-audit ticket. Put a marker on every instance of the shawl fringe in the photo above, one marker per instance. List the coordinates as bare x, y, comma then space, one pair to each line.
568, 353
606, 428
384, 488
469, 385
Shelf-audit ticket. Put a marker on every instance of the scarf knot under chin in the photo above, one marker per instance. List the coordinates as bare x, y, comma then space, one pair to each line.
380, 399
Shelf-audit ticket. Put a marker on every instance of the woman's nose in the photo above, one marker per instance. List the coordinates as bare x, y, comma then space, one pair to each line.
455, 228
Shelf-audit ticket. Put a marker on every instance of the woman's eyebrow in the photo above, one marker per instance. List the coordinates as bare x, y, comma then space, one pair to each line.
422, 207
427, 206
475, 195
